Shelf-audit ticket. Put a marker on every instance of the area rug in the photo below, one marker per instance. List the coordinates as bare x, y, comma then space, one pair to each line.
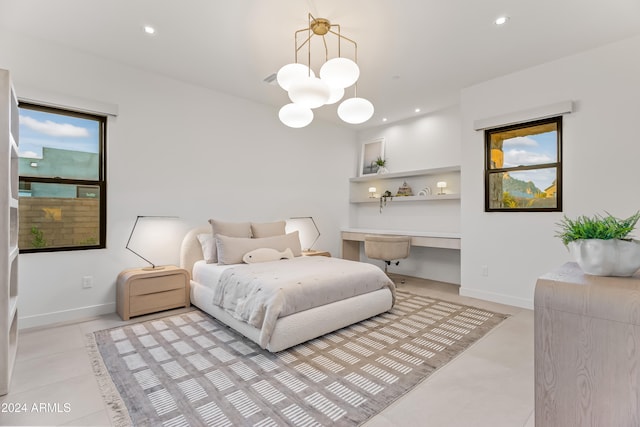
191, 370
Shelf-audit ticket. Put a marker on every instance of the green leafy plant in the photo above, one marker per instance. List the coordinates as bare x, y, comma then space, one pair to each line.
380, 161
38, 240
597, 227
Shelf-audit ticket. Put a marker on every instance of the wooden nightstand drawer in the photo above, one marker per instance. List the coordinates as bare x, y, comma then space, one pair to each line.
141, 304
316, 253
150, 285
143, 291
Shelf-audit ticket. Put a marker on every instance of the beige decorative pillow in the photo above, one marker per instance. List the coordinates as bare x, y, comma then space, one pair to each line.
231, 250
226, 228
267, 229
208, 245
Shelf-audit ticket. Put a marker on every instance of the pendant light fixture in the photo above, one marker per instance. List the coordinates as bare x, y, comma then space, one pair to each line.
306, 91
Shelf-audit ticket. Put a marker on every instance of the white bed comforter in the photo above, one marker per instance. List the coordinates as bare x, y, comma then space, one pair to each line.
261, 293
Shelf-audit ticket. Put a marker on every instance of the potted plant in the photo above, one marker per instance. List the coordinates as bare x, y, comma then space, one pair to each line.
601, 244
380, 162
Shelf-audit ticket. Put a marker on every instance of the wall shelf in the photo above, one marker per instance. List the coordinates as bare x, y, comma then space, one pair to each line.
416, 179
9, 126
409, 198
407, 174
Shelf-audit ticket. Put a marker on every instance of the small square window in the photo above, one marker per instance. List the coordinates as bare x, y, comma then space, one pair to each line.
523, 168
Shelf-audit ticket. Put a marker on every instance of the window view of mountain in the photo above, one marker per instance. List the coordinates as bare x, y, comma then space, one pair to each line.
518, 188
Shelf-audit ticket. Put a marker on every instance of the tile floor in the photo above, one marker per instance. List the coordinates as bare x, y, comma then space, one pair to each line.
490, 384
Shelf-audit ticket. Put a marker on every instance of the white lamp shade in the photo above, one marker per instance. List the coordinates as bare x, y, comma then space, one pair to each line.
291, 73
295, 115
307, 230
336, 95
155, 239
355, 110
441, 184
310, 92
340, 72
372, 189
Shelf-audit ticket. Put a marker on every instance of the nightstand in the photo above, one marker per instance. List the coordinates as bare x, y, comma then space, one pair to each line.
316, 253
142, 291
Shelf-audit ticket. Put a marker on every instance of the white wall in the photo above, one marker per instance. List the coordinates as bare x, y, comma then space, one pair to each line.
600, 161
184, 150
427, 141
175, 149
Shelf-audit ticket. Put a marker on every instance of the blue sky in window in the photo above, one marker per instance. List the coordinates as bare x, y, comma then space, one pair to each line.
42, 129
530, 150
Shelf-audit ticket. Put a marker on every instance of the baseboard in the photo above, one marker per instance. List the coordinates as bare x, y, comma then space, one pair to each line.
47, 319
499, 298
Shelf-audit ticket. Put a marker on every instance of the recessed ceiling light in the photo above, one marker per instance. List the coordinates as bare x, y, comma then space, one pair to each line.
417, 110
149, 29
501, 20
384, 119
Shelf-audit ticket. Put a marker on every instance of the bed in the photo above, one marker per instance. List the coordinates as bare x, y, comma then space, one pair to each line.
287, 327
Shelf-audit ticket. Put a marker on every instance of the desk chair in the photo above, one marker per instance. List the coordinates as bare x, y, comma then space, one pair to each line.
387, 248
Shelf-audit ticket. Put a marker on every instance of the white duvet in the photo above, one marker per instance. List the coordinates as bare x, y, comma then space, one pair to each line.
261, 293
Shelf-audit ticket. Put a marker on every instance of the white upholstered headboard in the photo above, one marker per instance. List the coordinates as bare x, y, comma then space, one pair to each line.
191, 250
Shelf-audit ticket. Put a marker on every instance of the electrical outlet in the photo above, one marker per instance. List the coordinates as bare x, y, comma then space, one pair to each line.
87, 282
484, 270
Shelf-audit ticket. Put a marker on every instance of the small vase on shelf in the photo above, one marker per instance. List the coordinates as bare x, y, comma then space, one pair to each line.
381, 163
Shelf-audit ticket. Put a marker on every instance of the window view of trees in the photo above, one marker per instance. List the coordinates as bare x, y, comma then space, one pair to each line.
62, 179
523, 167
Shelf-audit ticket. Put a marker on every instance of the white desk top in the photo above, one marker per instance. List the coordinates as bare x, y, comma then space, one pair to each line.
439, 234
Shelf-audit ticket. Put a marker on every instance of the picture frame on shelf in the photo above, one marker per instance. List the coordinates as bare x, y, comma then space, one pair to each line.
371, 151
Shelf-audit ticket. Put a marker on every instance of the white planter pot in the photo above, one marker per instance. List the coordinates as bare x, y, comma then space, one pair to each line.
606, 257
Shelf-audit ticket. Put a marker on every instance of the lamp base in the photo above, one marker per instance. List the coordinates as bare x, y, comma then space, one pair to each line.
157, 267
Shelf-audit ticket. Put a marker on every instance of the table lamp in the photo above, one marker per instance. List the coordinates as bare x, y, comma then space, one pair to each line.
441, 186
151, 236
307, 229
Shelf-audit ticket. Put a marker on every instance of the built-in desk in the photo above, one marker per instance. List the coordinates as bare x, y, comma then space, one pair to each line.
351, 238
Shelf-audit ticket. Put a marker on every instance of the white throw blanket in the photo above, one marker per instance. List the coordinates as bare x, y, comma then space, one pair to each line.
261, 293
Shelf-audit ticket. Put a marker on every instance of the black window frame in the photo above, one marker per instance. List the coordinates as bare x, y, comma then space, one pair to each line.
101, 182
488, 170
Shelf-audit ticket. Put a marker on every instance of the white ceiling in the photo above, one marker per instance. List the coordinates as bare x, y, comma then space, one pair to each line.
412, 53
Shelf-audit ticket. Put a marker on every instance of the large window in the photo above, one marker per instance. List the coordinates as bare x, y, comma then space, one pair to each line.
62, 179
523, 169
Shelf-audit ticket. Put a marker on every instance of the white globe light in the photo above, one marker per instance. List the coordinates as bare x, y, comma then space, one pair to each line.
310, 92
292, 72
340, 72
295, 116
336, 95
355, 110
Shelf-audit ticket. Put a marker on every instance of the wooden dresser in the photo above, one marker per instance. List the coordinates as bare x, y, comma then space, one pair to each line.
587, 349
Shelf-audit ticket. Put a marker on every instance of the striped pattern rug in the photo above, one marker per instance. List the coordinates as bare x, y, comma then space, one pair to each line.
191, 370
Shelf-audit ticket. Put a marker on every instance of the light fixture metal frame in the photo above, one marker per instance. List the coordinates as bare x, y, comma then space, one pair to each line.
321, 27
313, 222
153, 266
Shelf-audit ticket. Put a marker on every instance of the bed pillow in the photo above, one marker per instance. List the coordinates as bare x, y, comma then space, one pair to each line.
231, 250
208, 245
226, 228
267, 229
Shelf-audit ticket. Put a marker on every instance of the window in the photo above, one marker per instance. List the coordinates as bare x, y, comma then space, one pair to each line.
62, 187
523, 168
